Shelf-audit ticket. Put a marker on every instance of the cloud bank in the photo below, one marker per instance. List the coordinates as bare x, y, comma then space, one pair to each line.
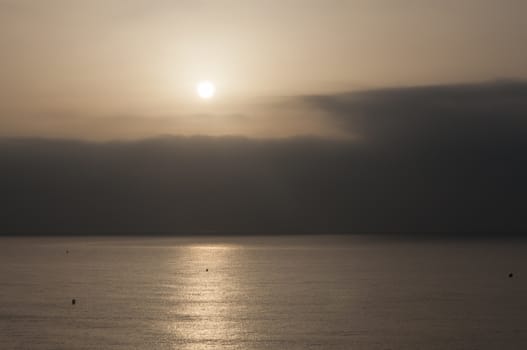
424, 160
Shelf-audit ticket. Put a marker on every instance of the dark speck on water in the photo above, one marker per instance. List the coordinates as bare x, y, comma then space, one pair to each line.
511, 275
73, 301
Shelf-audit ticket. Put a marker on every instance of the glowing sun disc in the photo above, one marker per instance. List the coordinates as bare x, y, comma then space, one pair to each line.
205, 89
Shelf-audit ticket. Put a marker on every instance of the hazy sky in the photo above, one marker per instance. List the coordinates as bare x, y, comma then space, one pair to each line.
342, 116
127, 69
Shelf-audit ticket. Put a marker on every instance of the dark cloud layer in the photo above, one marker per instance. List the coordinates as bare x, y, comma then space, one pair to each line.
433, 159
442, 114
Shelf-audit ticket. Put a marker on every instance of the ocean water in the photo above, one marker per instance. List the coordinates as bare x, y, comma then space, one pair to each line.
316, 292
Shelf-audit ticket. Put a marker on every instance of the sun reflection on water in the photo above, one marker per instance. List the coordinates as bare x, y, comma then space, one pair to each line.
205, 299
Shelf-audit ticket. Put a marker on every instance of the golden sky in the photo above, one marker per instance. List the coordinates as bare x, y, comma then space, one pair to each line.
128, 68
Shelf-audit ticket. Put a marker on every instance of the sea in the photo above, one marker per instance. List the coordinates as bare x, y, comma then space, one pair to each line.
277, 292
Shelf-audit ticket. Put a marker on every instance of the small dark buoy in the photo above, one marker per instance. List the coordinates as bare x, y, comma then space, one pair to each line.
73, 301
206, 270
67, 251
511, 275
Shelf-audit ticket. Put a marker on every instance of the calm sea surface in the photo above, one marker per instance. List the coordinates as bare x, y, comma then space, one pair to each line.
262, 293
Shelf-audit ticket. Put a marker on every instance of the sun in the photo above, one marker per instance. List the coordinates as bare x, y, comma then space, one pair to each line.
205, 89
